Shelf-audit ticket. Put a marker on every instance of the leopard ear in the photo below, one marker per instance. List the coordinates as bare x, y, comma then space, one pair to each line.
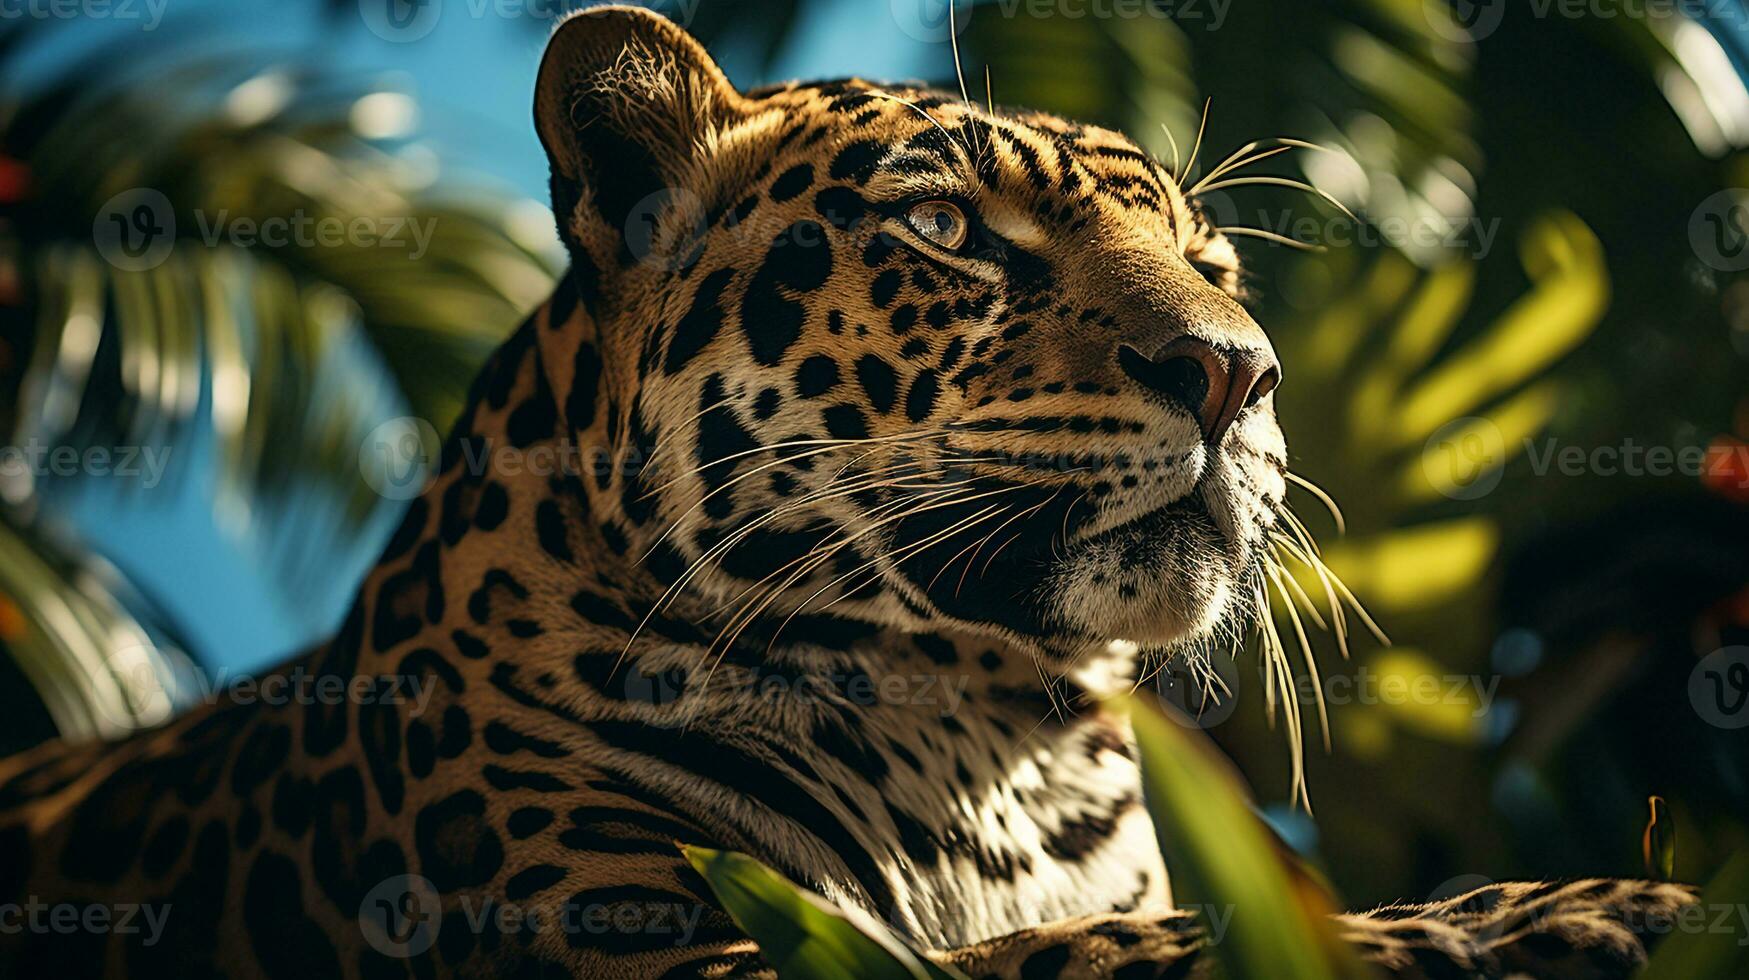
624, 104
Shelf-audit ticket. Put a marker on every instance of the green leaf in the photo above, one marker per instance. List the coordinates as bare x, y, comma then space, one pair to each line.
1703, 943
801, 934
1220, 855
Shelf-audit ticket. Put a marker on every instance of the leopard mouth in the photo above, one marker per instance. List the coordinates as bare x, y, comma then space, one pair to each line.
1159, 578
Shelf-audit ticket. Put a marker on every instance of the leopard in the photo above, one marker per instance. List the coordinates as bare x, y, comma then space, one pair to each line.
870, 440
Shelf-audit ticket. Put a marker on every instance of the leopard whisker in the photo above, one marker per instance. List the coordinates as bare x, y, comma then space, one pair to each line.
1278, 575
1323, 498
735, 538
1279, 688
743, 476
1196, 148
937, 536
1234, 162
1305, 601
871, 565
978, 545
1173, 142
821, 446
1338, 619
826, 493
1248, 232
935, 491
933, 122
744, 618
956, 557
1272, 181
1021, 516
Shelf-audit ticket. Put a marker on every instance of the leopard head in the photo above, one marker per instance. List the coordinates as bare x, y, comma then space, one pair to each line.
884, 353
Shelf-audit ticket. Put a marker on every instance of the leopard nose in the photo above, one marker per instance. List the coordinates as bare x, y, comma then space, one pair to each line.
1214, 384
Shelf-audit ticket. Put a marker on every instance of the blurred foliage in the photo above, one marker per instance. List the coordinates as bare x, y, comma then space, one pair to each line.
79, 651
141, 309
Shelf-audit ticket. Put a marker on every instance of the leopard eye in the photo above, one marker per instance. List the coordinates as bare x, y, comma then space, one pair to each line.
941, 222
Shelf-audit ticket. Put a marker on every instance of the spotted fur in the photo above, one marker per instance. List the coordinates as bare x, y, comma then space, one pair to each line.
777, 529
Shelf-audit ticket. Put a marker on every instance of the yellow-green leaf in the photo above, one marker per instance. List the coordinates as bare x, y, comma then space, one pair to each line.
1221, 856
803, 936
1566, 262
1416, 566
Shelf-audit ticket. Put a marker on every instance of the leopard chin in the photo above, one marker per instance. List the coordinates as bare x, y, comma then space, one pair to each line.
1162, 580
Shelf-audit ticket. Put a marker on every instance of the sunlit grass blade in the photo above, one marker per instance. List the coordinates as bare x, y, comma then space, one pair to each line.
1658, 844
803, 936
1221, 856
